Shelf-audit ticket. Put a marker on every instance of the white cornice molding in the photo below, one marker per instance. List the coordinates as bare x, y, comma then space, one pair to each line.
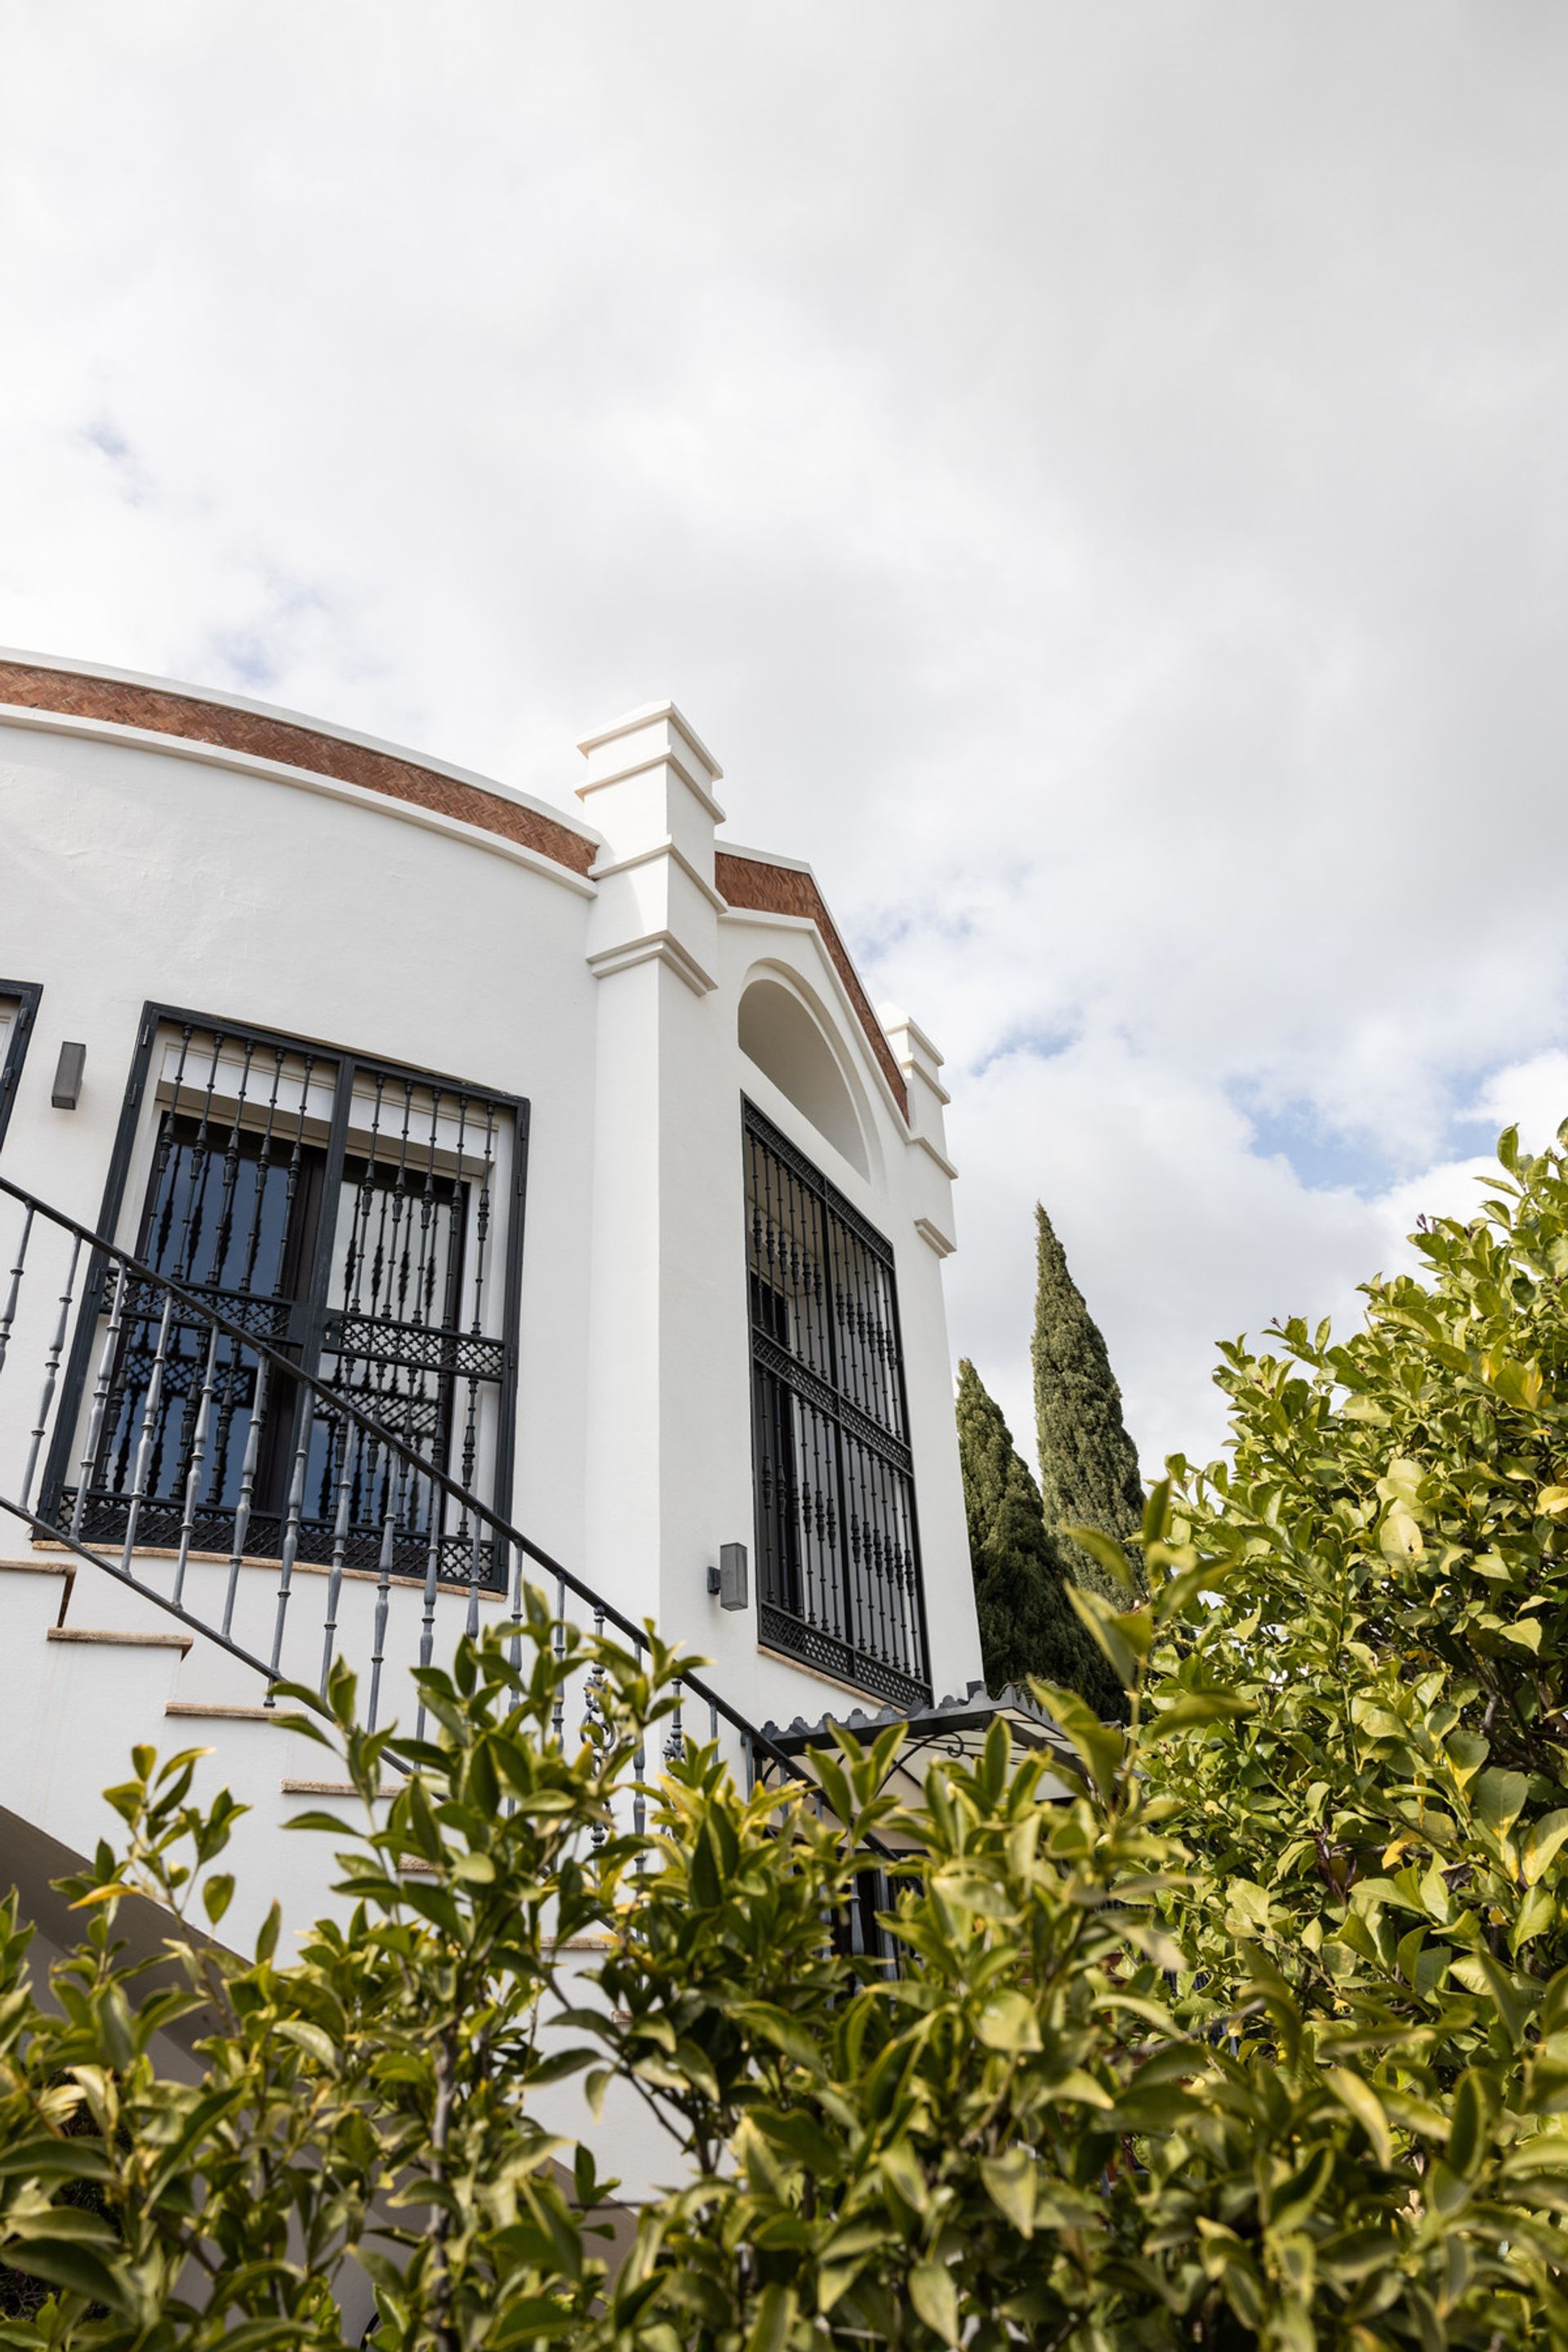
934, 1238
649, 715
677, 856
667, 759
654, 947
304, 780
948, 1170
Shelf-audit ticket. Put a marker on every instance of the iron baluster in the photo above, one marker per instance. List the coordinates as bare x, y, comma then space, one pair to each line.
340, 1555
558, 1650
383, 1606
675, 1745
428, 1618
639, 1770
198, 1459
247, 1491
473, 1616
13, 1291
514, 1648
291, 1545
51, 1371
595, 1728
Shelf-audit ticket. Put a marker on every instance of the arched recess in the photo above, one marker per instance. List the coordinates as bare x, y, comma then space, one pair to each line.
779, 1031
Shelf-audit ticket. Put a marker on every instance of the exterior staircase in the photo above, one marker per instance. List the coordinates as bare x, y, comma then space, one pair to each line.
110, 1642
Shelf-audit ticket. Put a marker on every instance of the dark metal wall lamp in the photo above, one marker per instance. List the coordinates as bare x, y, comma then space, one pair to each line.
730, 1579
68, 1077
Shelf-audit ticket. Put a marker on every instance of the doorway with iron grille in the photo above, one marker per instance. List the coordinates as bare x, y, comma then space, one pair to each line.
839, 1567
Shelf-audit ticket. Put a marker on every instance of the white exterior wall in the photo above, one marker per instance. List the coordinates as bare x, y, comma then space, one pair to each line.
136, 868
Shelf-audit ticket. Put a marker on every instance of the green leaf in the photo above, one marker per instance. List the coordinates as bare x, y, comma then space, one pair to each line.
1361, 2102
1194, 1708
46, 2158
217, 1892
1008, 2023
1537, 1913
1103, 1549
777, 2309
935, 2298
1106, 1626
1499, 1798
266, 1937
309, 2037
1012, 2183
1544, 1842
1466, 1751
1468, 2120
1100, 1747
62, 2261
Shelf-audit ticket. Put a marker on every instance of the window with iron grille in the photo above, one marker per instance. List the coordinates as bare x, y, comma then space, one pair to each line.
18, 1004
839, 1573
366, 1221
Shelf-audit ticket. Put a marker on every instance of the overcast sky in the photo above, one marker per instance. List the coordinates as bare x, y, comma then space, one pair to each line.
1094, 474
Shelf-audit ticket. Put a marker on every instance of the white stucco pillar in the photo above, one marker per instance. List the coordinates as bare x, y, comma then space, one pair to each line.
932, 1172
661, 1173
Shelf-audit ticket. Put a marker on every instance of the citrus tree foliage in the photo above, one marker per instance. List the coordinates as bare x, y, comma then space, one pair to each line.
1255, 2034
1384, 1839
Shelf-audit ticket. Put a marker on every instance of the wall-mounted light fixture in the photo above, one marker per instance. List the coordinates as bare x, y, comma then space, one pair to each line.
68, 1077
730, 1579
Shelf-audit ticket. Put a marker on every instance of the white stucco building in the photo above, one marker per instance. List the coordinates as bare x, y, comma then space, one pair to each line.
566, 1144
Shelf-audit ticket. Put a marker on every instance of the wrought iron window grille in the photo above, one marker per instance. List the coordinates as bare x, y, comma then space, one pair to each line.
18, 1011
838, 1573
363, 1219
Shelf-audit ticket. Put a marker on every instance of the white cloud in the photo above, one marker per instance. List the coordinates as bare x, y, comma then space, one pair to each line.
1096, 476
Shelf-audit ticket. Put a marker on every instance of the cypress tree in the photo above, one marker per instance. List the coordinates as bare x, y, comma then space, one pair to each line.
1089, 1464
1027, 1626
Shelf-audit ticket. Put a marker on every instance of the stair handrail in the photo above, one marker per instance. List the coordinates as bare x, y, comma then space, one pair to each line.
338, 1403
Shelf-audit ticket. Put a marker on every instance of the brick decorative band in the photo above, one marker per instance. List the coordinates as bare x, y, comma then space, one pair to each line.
76, 694
784, 890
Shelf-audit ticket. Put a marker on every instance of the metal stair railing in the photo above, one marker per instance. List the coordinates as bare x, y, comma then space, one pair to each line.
196, 1377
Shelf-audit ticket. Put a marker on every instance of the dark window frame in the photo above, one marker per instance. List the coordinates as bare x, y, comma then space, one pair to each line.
315, 1337
25, 994
804, 1612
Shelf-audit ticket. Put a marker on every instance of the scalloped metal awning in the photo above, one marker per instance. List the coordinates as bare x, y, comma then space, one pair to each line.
956, 1726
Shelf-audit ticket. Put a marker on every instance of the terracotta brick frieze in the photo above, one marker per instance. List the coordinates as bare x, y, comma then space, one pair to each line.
784, 890
77, 694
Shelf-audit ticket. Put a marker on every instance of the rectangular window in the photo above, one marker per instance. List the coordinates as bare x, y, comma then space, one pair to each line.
837, 1551
18, 1005
366, 1221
